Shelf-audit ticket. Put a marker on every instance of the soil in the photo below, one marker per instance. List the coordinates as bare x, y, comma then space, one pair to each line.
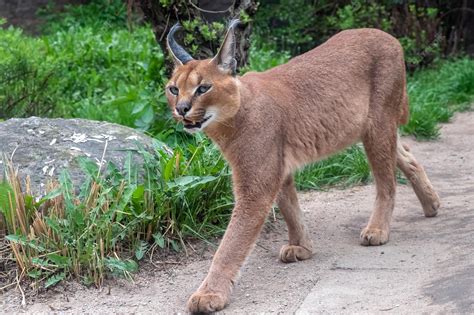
428, 265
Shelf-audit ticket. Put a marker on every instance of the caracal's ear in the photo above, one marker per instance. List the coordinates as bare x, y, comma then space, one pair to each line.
225, 58
180, 56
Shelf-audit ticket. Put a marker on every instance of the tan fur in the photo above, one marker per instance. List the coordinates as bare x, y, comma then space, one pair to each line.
351, 88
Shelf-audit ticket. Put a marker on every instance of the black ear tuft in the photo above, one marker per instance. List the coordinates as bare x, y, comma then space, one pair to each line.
225, 57
180, 56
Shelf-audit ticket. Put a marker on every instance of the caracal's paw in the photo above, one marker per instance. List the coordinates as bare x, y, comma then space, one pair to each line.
431, 204
294, 253
206, 302
373, 236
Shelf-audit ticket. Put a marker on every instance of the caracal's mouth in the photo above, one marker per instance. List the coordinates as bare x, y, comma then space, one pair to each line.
197, 125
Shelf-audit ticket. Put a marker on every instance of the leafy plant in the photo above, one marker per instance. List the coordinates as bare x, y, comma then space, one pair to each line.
289, 25
198, 32
97, 14
96, 74
115, 218
361, 13
298, 26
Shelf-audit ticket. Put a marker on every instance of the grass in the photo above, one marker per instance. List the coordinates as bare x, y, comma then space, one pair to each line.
436, 94
80, 69
347, 168
115, 219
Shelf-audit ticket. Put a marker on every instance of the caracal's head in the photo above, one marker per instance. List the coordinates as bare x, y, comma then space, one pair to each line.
203, 93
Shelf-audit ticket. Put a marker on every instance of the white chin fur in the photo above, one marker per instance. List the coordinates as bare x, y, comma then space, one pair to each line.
204, 125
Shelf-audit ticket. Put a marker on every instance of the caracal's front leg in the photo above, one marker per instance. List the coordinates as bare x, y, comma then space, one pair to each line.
300, 246
254, 197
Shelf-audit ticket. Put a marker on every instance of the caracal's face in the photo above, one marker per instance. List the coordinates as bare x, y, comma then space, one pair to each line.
200, 95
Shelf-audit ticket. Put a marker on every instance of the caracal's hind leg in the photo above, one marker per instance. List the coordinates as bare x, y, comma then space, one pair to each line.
300, 245
380, 143
415, 173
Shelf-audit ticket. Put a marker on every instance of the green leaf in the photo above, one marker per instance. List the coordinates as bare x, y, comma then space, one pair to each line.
175, 245
29, 202
25, 242
40, 262
162, 147
121, 100
88, 166
51, 195
53, 224
139, 193
87, 280
138, 108
169, 167
66, 188
141, 249
59, 260
35, 273
183, 181
6, 193
77, 217
53, 280
115, 265
188, 182
159, 239
126, 197
148, 115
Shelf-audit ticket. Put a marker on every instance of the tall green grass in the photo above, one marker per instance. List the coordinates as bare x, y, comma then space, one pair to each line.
435, 94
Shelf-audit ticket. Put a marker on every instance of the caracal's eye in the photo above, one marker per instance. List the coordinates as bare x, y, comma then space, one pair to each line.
203, 89
173, 90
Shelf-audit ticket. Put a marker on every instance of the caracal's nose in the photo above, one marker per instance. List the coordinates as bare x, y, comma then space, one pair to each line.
183, 107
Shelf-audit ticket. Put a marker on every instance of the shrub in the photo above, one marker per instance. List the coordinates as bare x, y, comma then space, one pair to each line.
264, 58
24, 85
110, 75
298, 26
96, 14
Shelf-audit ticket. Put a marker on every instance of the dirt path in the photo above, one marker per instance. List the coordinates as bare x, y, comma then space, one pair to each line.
428, 265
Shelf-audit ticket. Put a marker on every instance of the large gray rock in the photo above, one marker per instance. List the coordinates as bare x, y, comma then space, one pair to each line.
42, 147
